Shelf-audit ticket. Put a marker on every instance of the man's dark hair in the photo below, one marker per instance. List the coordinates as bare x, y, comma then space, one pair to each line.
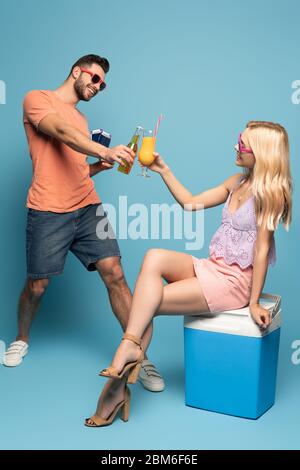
91, 59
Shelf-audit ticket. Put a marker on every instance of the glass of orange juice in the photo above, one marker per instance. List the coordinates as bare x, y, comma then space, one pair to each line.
146, 156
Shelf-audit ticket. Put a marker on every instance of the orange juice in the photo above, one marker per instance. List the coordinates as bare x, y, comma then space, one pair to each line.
146, 152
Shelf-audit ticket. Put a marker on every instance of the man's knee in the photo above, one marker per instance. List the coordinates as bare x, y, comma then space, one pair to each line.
37, 287
111, 272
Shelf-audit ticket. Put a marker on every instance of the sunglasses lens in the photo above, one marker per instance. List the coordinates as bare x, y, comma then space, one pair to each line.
95, 78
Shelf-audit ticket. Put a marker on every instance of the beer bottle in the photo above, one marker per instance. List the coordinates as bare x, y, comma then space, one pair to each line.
133, 145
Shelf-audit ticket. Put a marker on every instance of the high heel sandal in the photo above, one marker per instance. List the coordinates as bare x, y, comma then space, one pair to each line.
124, 406
133, 367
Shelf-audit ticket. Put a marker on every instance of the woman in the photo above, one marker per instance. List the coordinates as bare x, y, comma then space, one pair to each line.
257, 200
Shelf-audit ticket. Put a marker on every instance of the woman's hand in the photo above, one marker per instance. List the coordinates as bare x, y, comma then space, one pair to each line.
158, 165
261, 316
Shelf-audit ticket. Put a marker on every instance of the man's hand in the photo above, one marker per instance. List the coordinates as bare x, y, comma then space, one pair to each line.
115, 154
105, 165
261, 316
101, 165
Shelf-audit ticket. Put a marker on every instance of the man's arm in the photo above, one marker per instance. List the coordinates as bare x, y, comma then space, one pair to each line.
54, 126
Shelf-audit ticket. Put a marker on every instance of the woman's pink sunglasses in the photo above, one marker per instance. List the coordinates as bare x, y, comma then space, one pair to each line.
242, 148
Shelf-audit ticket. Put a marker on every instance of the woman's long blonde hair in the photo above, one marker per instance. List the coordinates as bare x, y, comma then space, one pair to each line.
272, 182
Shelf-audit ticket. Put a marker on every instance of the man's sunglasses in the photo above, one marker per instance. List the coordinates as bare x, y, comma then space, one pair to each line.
95, 78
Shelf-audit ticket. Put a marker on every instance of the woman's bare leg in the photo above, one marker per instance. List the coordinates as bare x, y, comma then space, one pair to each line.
183, 295
112, 394
151, 297
179, 298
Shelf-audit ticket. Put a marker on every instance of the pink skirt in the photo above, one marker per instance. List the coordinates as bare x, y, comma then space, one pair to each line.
225, 286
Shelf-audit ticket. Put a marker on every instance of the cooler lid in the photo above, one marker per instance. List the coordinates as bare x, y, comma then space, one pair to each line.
238, 322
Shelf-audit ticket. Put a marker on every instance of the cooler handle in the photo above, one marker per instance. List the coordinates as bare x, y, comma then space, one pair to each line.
277, 300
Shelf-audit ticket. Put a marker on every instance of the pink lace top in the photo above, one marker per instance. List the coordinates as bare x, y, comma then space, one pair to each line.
235, 238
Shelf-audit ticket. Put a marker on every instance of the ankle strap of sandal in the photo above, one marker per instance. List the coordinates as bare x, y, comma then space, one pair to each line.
133, 338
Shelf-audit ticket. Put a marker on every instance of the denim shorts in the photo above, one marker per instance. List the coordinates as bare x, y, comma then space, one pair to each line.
50, 235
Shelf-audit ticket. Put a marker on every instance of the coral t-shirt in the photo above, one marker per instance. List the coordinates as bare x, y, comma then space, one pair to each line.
61, 179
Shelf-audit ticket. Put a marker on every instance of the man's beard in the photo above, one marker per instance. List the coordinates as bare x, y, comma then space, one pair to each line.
80, 89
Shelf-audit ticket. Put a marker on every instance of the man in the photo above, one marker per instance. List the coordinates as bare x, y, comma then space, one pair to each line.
63, 206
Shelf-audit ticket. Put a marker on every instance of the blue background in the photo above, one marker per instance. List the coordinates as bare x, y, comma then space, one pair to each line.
209, 66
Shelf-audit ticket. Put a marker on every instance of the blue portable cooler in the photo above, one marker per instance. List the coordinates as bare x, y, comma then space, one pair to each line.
230, 364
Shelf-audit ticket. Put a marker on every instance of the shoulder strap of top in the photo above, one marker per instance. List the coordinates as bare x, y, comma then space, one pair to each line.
241, 178
237, 183
234, 186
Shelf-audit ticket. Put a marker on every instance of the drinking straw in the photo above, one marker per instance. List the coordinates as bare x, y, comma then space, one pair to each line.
157, 125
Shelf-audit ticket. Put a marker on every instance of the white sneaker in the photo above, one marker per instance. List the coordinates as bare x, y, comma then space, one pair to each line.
15, 353
150, 378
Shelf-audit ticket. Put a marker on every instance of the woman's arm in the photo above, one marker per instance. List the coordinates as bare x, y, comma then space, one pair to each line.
260, 267
210, 198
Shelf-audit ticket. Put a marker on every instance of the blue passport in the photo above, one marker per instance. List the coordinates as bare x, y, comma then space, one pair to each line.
101, 137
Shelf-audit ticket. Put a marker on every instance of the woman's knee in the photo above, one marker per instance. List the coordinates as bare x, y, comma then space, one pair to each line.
153, 258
